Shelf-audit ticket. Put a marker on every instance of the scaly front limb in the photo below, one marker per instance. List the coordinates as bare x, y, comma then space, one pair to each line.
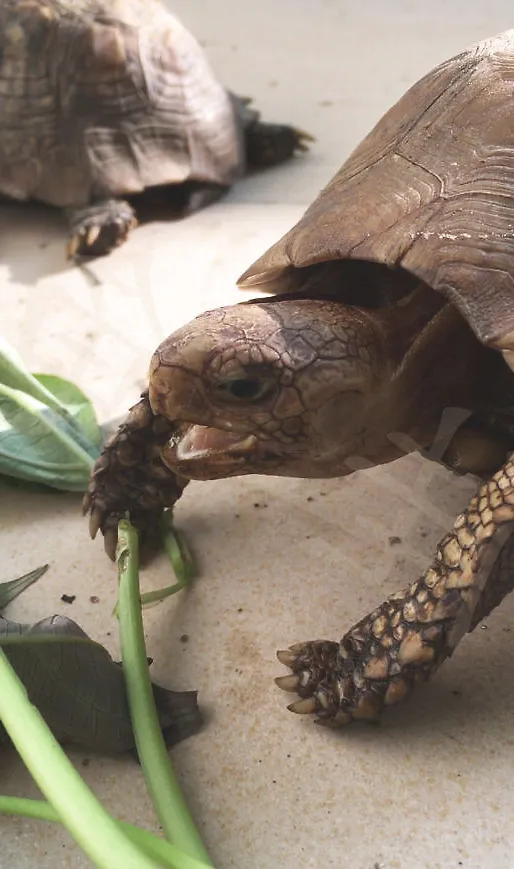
131, 476
406, 639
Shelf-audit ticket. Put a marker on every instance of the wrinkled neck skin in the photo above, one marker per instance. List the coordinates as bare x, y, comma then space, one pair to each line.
350, 387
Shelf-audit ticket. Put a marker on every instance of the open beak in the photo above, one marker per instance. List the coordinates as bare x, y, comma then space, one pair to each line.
205, 453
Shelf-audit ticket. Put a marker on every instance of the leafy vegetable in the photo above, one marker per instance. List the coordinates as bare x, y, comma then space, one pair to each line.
95, 830
181, 560
78, 688
48, 429
109, 844
14, 374
10, 589
167, 854
77, 405
163, 787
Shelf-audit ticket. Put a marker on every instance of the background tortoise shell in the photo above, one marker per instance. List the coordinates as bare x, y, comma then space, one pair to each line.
107, 97
431, 189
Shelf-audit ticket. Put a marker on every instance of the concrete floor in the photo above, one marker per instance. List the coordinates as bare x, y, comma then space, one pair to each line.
429, 788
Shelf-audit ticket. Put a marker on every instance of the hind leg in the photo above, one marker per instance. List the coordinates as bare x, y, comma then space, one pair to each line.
97, 229
270, 144
267, 144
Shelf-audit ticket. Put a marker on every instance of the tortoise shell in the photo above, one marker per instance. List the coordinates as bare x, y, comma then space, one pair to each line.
106, 98
430, 189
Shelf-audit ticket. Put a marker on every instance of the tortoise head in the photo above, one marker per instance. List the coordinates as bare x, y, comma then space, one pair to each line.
290, 387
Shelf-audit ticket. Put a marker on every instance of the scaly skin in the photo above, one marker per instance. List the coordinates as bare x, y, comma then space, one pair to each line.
404, 640
272, 144
130, 476
301, 387
98, 228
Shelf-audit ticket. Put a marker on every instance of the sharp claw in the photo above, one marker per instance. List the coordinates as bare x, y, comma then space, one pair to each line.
91, 235
72, 247
303, 707
302, 138
86, 503
288, 683
286, 657
110, 543
297, 647
95, 522
339, 720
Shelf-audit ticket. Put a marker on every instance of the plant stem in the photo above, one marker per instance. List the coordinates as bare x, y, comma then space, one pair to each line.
162, 785
94, 829
164, 852
177, 551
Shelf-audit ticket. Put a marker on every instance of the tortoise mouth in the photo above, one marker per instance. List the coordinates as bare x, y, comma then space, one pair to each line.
207, 453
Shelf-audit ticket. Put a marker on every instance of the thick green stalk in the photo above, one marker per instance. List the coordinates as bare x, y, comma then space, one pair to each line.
159, 849
163, 787
94, 829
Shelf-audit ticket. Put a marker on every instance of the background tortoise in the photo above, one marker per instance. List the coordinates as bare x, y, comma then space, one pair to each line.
396, 303
103, 99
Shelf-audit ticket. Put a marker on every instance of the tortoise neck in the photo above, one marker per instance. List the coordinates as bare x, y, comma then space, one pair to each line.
438, 372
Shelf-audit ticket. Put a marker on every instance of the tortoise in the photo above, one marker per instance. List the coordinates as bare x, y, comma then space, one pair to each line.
106, 100
392, 308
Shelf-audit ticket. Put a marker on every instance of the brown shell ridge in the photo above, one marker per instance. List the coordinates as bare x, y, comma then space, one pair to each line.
122, 98
431, 188
367, 157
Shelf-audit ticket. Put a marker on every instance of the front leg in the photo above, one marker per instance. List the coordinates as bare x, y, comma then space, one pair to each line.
97, 229
130, 476
405, 640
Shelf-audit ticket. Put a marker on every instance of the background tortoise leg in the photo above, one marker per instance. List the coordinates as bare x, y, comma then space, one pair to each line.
267, 144
130, 476
98, 228
405, 639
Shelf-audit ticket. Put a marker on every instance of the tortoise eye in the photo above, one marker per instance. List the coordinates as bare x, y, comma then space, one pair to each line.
245, 389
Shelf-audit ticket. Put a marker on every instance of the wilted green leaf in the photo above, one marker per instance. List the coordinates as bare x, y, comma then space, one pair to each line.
10, 589
80, 690
76, 685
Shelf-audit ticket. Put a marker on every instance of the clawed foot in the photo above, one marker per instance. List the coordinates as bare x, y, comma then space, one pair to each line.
377, 663
148, 524
99, 228
338, 690
300, 138
271, 144
130, 477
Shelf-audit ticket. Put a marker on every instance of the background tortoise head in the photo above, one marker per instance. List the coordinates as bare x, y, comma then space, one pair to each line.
294, 386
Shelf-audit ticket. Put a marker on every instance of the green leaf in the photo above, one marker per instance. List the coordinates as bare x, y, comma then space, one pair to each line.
39, 445
14, 374
10, 589
80, 691
75, 402
93, 828
27, 485
49, 434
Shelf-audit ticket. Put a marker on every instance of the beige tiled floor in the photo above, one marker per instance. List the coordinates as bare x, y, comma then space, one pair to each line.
429, 788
